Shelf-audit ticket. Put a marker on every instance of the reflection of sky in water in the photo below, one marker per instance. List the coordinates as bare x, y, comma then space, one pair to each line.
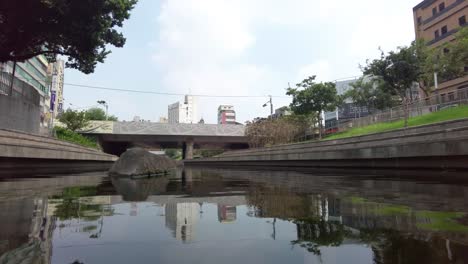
224, 216
138, 233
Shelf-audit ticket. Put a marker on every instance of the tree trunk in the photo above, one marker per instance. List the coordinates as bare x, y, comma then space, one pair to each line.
406, 110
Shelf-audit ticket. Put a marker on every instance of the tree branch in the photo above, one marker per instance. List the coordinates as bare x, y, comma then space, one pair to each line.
34, 54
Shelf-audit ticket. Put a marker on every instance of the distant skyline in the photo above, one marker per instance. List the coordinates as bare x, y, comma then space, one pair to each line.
244, 47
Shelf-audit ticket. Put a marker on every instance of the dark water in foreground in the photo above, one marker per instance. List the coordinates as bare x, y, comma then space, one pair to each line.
225, 216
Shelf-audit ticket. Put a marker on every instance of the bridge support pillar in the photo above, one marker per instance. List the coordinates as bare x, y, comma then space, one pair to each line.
187, 151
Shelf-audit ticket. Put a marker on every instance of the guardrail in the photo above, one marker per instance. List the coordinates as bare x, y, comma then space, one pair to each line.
416, 108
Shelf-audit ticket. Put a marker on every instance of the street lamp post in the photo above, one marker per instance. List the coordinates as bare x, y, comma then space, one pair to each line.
102, 102
271, 106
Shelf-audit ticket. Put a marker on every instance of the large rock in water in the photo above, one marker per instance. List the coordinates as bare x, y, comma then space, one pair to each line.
139, 162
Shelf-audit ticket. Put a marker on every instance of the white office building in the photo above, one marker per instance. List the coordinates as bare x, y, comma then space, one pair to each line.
181, 219
185, 112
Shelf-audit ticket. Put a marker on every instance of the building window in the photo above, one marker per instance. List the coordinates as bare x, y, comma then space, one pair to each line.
441, 6
446, 51
419, 21
443, 31
462, 21
436, 34
434, 11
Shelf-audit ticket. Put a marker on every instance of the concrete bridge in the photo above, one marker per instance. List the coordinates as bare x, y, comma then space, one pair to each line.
116, 137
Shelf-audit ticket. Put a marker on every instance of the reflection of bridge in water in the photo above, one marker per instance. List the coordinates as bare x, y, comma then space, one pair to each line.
116, 137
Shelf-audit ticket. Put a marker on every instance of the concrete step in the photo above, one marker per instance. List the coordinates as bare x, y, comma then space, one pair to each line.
15, 144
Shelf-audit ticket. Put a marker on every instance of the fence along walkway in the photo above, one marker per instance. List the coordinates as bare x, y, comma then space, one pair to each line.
21, 89
420, 107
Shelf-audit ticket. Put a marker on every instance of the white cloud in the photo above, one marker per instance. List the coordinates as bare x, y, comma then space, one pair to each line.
202, 45
321, 69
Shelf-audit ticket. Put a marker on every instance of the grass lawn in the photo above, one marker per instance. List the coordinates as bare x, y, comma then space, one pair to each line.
443, 115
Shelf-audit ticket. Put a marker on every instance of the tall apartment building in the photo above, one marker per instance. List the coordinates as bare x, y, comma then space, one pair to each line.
56, 75
34, 73
437, 22
185, 112
226, 115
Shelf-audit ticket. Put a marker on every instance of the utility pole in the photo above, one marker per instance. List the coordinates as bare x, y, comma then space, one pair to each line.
271, 105
102, 102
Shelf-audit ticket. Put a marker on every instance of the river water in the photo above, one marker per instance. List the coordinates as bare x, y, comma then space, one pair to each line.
203, 215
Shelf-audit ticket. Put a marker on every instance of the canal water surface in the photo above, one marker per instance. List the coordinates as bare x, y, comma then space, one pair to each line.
231, 216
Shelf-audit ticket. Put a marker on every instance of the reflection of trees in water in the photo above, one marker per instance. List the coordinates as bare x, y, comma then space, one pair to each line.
70, 204
390, 246
279, 202
391, 232
315, 233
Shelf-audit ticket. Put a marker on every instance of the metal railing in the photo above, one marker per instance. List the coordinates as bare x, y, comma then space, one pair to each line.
20, 89
419, 107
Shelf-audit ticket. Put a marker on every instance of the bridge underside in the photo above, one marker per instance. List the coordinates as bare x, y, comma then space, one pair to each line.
116, 144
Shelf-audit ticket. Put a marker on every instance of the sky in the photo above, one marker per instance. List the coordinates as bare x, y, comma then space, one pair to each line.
237, 48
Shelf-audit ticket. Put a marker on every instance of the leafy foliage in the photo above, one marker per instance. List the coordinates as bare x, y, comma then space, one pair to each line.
74, 120
81, 30
173, 154
287, 129
70, 136
448, 60
96, 113
398, 71
313, 98
368, 93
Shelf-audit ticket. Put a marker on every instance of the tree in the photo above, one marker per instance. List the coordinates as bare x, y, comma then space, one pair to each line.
74, 120
368, 93
96, 113
448, 60
79, 29
286, 129
314, 98
397, 72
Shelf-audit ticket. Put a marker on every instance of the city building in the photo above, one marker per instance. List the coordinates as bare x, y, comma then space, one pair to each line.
181, 219
226, 115
282, 111
163, 120
56, 74
347, 111
185, 113
34, 73
437, 22
226, 213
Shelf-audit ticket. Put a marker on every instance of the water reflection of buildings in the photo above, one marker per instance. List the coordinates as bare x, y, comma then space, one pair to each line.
226, 213
26, 232
181, 219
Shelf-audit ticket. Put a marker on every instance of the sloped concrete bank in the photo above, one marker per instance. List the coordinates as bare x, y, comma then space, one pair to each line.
23, 153
437, 146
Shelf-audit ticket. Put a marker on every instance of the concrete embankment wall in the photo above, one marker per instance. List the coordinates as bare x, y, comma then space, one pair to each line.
20, 152
442, 146
19, 114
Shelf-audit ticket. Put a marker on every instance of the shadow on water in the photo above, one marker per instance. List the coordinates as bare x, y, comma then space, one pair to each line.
283, 216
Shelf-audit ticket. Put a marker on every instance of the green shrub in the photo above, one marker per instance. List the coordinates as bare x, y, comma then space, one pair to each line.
73, 137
